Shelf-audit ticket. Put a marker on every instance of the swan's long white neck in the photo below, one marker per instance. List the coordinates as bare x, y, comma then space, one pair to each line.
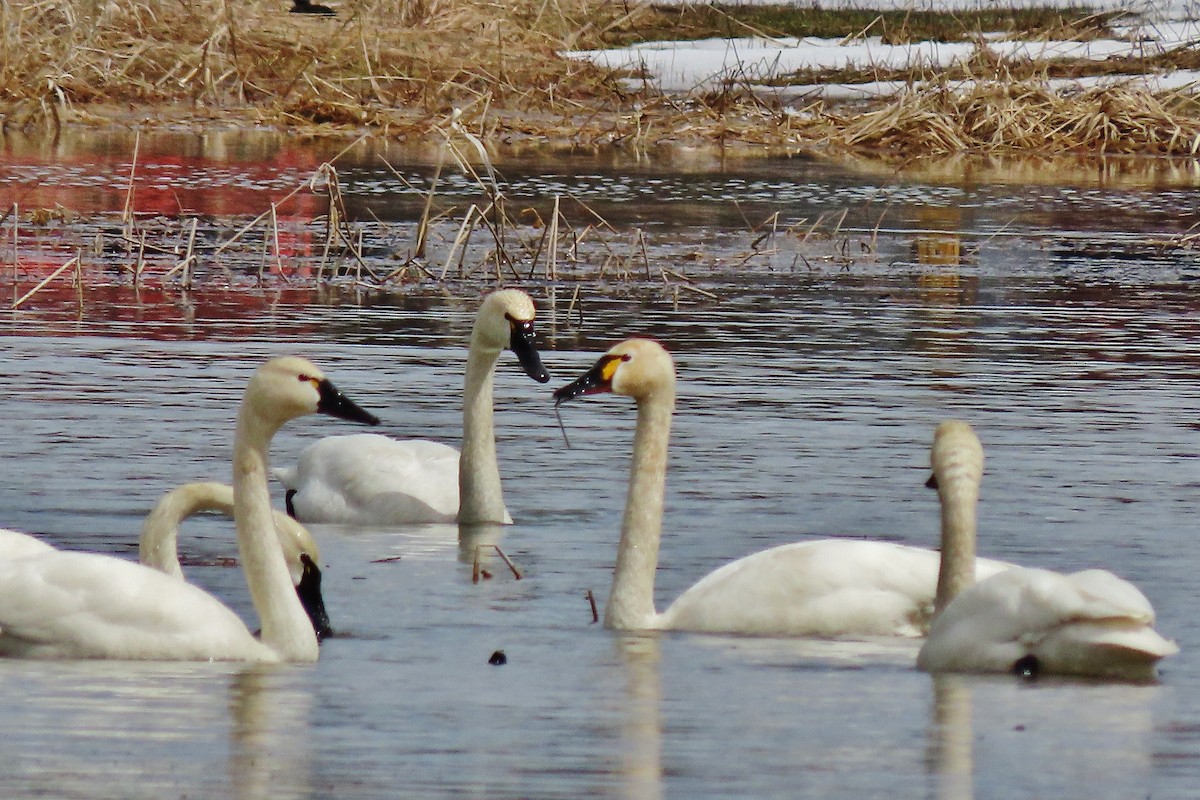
958, 491
480, 497
158, 546
631, 601
285, 626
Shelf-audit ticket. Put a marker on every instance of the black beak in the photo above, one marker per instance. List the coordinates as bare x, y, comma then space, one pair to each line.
931, 483
336, 404
596, 380
309, 592
521, 343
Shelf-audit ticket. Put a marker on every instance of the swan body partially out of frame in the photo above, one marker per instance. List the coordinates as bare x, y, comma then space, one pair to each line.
63, 604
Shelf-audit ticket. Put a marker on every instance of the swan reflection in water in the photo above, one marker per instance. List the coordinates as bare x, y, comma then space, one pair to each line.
990, 732
270, 755
950, 761
641, 724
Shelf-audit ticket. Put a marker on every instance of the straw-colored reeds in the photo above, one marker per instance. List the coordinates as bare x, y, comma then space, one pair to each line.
1006, 116
378, 62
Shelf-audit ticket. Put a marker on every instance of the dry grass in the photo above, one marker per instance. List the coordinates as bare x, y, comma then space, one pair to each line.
382, 63
402, 67
1022, 116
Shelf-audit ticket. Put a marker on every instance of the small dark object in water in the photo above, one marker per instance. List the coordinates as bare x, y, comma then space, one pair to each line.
309, 591
498, 659
309, 7
1026, 667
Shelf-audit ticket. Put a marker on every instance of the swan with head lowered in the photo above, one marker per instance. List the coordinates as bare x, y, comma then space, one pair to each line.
1035, 621
63, 604
368, 479
827, 587
158, 544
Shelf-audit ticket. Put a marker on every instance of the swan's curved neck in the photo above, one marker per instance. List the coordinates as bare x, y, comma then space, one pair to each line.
957, 571
631, 601
158, 546
480, 496
285, 625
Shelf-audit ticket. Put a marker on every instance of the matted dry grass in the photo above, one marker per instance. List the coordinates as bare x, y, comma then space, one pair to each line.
401, 67
378, 63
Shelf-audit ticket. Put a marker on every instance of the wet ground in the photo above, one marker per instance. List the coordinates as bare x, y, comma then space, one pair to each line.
1059, 319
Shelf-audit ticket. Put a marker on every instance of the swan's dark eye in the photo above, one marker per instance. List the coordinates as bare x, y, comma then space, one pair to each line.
1026, 667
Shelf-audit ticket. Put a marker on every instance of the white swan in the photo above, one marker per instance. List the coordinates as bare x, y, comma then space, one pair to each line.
158, 544
830, 587
63, 604
1034, 621
370, 479
14, 545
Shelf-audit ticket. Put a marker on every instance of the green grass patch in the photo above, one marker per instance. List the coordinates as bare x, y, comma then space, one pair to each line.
690, 22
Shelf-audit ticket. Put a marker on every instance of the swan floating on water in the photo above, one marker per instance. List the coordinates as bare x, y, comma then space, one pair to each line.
62, 604
1035, 621
369, 479
158, 544
828, 587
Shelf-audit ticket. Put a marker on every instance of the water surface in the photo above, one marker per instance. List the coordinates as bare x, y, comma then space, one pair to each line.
807, 401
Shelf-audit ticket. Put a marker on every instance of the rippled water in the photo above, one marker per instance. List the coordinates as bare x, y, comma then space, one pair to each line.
807, 403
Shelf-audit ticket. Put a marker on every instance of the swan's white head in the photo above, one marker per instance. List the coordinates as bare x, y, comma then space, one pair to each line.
289, 386
505, 319
956, 458
637, 368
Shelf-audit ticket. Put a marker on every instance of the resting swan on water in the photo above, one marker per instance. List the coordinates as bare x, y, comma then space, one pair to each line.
63, 604
829, 587
1034, 621
368, 479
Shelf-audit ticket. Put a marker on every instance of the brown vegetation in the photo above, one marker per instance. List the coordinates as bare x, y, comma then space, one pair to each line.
402, 67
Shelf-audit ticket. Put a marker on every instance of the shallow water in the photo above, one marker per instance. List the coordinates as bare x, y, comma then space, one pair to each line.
807, 403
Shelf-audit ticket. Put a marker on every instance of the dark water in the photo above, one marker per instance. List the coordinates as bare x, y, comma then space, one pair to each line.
808, 396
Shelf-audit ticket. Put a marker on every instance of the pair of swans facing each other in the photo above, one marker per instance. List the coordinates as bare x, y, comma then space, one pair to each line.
369, 479
63, 604
1090, 623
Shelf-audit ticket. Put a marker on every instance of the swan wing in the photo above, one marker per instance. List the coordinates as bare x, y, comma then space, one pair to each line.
369, 478
1089, 623
66, 604
829, 587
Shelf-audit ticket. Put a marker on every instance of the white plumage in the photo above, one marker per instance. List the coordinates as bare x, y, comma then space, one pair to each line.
60, 604
1034, 621
369, 479
830, 587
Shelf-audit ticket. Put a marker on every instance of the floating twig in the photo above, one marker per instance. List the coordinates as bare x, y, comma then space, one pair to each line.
591, 598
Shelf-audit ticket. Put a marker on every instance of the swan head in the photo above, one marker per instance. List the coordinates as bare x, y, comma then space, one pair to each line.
956, 457
506, 320
636, 368
309, 592
289, 386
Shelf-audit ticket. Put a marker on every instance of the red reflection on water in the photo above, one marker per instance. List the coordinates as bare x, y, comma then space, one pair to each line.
163, 313
221, 174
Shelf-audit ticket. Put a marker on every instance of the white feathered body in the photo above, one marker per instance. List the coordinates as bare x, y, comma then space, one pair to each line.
829, 588
1088, 623
372, 479
65, 604
14, 544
